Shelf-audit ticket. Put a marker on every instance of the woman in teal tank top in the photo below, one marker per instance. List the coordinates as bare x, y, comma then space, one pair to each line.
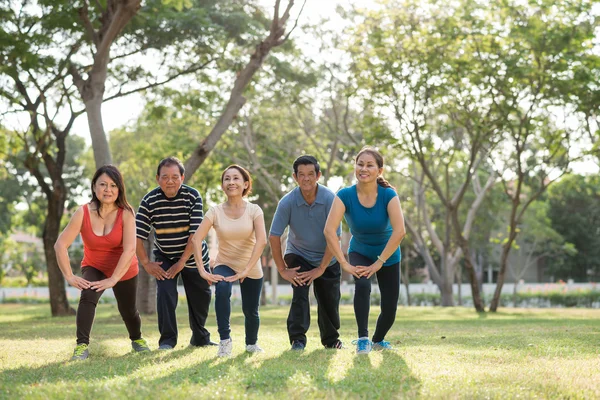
373, 213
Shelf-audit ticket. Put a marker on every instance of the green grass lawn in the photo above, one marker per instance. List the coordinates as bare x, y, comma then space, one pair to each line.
441, 353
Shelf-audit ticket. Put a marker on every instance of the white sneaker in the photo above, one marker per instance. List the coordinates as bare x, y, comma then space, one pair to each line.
225, 347
253, 348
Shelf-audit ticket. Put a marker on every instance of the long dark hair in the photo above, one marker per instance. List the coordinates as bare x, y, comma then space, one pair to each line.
381, 181
245, 175
114, 174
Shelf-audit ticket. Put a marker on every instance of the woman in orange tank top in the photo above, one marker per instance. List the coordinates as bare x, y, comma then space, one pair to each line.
107, 228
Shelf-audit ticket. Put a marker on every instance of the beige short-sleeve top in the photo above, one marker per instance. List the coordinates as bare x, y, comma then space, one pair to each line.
236, 238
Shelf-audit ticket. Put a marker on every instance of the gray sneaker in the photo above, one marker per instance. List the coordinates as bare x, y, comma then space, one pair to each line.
225, 347
165, 347
253, 348
81, 352
140, 345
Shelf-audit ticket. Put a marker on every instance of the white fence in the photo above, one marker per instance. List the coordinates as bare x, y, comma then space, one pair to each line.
346, 289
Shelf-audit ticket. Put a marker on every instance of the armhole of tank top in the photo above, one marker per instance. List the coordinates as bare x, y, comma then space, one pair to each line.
86, 214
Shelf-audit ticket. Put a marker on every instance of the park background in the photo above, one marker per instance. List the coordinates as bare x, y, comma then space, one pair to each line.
486, 113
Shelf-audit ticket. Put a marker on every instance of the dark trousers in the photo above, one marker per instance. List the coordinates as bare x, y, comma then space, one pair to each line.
125, 293
388, 279
251, 290
197, 292
327, 293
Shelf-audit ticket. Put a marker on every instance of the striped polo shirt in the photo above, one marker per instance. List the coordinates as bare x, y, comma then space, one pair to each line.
174, 220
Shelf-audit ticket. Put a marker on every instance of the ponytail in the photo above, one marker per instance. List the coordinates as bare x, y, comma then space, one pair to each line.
381, 181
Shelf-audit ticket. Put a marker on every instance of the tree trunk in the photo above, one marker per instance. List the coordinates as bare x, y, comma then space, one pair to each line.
459, 284
477, 301
115, 16
405, 279
146, 291
446, 291
59, 304
236, 99
501, 274
464, 245
93, 108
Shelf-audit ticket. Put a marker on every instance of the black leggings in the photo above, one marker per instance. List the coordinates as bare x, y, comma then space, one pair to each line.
125, 293
388, 279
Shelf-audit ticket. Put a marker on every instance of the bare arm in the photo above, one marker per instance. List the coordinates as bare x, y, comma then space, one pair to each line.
151, 267
129, 242
307, 277
399, 231
261, 241
333, 244
180, 264
63, 242
197, 239
289, 274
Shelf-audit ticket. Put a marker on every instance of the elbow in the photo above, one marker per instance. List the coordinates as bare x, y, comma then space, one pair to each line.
261, 243
58, 246
401, 236
129, 252
327, 233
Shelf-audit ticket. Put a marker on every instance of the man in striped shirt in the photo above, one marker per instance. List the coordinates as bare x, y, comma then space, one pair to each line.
174, 210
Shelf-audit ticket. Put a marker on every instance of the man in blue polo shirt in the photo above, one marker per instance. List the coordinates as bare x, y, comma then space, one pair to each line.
307, 259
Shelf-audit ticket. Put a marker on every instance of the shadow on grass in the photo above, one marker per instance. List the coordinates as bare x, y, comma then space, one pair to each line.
319, 372
99, 366
302, 374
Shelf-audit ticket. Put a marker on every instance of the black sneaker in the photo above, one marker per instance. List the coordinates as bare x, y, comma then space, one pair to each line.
298, 345
205, 344
336, 345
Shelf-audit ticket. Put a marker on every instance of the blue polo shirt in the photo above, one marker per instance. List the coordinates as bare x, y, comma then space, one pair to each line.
370, 227
306, 223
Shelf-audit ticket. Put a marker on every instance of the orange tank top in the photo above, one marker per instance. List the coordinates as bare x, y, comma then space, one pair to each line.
103, 252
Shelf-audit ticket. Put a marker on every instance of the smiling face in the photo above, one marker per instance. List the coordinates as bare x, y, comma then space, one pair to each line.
366, 168
106, 190
233, 183
170, 180
307, 177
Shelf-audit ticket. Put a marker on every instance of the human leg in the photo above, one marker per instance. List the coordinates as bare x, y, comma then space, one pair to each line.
86, 311
362, 296
166, 304
388, 279
223, 301
251, 290
126, 296
327, 293
298, 320
198, 294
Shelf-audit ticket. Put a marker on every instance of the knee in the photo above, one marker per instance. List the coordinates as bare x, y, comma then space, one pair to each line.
129, 313
363, 286
223, 290
250, 311
88, 296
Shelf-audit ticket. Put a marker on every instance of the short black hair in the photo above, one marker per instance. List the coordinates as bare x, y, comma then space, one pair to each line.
167, 162
306, 160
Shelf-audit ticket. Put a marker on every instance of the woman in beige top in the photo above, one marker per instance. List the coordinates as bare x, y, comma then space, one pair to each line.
240, 228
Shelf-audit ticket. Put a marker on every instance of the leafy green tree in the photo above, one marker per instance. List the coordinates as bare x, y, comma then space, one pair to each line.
531, 45
574, 209
417, 64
